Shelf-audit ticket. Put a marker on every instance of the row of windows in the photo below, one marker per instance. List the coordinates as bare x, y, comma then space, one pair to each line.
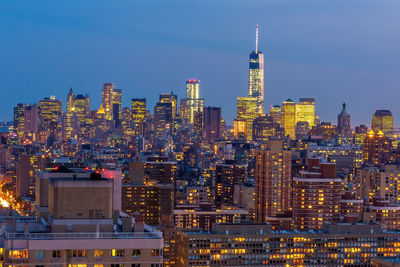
78, 253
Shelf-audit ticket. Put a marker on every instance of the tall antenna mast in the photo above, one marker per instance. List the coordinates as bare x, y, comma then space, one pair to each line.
256, 38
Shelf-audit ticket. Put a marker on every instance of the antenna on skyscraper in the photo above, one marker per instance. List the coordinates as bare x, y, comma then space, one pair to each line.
256, 38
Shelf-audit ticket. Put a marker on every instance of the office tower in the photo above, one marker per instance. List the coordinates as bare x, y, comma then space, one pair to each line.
247, 110
160, 169
170, 98
239, 128
228, 174
31, 120
256, 76
289, 118
264, 128
19, 120
359, 134
82, 107
195, 105
273, 181
50, 111
302, 129
212, 123
139, 114
107, 100
376, 149
276, 113
382, 120
163, 118
316, 196
343, 125
184, 113
117, 107
24, 178
70, 101
305, 111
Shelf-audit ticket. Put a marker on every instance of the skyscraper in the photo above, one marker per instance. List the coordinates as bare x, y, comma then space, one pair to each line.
194, 103
273, 181
138, 114
212, 123
289, 118
305, 111
107, 100
382, 120
256, 76
247, 110
50, 111
170, 98
116, 106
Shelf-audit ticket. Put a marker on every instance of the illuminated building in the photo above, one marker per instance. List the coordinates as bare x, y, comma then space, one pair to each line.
184, 113
244, 196
343, 126
302, 129
139, 114
31, 121
203, 216
382, 182
163, 117
359, 135
376, 148
273, 181
195, 105
347, 158
387, 215
305, 111
276, 113
325, 130
316, 196
351, 207
212, 123
247, 111
258, 245
116, 106
50, 111
382, 120
264, 128
289, 118
228, 174
72, 234
239, 128
197, 194
107, 100
256, 77
19, 120
24, 176
170, 98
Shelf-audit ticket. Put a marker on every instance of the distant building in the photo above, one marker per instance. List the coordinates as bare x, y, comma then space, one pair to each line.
376, 148
256, 77
382, 120
212, 123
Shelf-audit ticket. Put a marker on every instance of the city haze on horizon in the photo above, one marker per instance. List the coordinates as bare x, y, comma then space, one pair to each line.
341, 51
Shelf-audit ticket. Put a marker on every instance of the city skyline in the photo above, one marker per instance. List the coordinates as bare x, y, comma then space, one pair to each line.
334, 60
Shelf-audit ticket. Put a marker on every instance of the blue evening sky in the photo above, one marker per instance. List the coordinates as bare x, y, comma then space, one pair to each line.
334, 50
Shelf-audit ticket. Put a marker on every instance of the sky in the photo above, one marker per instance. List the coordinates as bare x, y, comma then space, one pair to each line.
333, 50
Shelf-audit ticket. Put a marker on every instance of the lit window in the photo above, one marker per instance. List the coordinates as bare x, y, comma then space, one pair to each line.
117, 253
98, 253
136, 253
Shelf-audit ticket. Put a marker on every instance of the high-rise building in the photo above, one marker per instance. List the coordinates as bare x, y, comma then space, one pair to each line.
24, 177
50, 111
247, 110
343, 125
70, 101
264, 128
289, 118
256, 76
82, 107
382, 120
19, 119
107, 100
273, 181
163, 117
170, 98
228, 174
195, 105
184, 113
138, 114
316, 196
305, 111
117, 107
276, 113
212, 123
359, 134
376, 149
31, 120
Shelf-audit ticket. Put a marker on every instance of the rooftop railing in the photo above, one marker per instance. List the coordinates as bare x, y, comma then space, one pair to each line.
94, 235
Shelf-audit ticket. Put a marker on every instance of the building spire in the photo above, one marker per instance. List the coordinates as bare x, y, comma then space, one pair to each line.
256, 38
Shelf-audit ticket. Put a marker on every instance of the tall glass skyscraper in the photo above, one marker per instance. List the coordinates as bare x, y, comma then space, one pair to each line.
256, 76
